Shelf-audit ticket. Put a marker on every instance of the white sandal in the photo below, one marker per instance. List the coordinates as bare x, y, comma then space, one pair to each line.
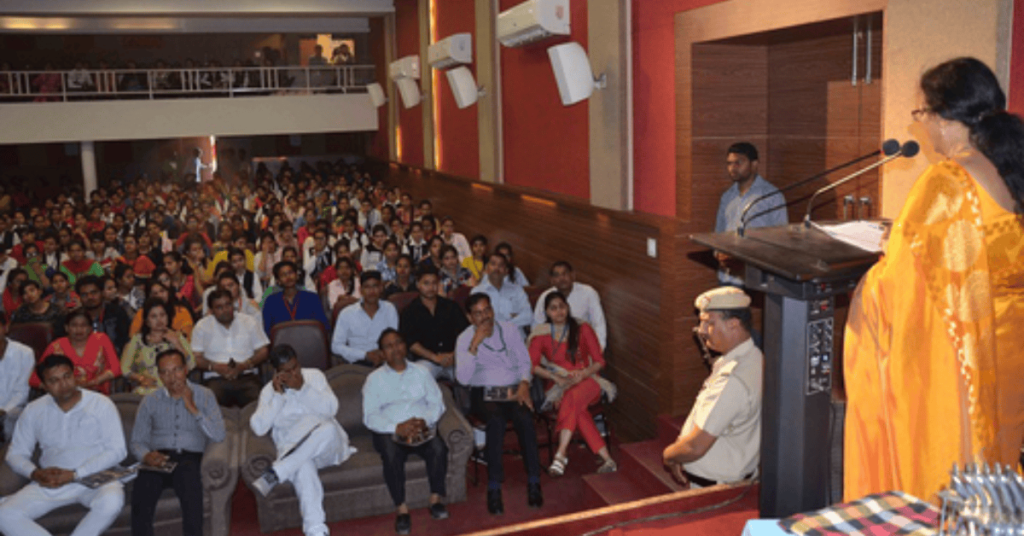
608, 467
558, 466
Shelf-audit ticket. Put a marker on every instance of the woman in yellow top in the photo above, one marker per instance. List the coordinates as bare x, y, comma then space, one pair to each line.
933, 358
475, 262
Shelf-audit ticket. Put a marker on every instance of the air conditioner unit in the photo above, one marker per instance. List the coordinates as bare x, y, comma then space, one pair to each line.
409, 90
452, 50
533, 20
407, 67
376, 92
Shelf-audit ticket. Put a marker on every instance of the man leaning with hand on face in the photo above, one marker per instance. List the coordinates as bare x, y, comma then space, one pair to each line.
173, 424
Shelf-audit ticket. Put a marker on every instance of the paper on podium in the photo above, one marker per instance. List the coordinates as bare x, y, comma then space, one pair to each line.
866, 235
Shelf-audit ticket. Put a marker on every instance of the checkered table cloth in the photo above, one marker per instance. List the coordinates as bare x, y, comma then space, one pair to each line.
889, 513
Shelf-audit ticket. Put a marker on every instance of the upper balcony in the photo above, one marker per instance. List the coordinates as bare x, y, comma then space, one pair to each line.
118, 104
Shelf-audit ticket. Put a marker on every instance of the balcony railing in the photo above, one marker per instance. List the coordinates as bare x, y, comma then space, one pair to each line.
175, 83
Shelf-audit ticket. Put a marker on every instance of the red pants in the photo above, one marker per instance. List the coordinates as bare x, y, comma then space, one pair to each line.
573, 413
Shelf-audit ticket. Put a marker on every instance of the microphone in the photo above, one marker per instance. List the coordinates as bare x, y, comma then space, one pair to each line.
909, 150
889, 148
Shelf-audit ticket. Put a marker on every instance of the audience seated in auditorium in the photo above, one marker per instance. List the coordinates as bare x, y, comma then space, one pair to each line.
401, 406
173, 425
106, 318
491, 358
229, 349
36, 309
291, 303
78, 433
94, 358
508, 300
16, 362
359, 325
430, 325
298, 408
582, 298
138, 360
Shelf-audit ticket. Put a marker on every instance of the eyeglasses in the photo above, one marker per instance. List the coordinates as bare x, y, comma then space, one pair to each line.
920, 113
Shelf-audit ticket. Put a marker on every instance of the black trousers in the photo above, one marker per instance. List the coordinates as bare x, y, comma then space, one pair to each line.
496, 416
188, 486
433, 452
237, 392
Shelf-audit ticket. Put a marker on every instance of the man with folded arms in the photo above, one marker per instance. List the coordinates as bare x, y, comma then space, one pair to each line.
721, 439
173, 424
298, 406
491, 355
79, 433
401, 406
229, 349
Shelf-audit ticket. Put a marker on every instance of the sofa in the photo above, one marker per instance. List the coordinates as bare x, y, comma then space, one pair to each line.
219, 474
355, 488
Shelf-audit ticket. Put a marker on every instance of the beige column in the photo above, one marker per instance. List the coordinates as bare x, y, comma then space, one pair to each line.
611, 151
390, 46
88, 154
918, 35
426, 87
488, 75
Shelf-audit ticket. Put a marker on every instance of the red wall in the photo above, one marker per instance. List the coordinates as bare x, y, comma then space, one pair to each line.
1017, 59
407, 28
546, 144
654, 103
458, 130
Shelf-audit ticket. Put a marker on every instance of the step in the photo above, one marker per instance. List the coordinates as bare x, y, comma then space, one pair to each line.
620, 487
644, 458
669, 427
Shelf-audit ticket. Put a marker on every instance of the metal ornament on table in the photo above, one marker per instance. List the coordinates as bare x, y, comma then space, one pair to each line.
982, 501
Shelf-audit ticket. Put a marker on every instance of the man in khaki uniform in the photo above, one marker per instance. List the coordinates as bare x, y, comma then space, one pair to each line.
721, 439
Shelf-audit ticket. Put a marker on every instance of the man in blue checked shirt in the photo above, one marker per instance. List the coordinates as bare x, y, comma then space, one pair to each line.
401, 405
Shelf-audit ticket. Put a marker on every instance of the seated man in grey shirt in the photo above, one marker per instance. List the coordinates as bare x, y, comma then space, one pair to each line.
174, 424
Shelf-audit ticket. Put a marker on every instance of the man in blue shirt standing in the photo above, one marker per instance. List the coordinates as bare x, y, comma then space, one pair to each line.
747, 185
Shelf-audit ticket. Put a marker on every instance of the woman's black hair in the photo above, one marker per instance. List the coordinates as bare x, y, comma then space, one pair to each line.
574, 326
185, 268
148, 306
351, 283
74, 313
120, 269
966, 90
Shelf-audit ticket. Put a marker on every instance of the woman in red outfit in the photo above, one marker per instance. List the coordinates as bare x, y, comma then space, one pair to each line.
96, 362
565, 352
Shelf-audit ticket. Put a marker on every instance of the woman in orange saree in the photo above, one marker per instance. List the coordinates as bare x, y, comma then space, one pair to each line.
934, 347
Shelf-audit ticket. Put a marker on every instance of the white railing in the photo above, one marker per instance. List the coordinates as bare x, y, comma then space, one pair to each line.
171, 83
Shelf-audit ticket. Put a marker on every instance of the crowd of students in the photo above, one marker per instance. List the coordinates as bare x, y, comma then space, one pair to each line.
206, 271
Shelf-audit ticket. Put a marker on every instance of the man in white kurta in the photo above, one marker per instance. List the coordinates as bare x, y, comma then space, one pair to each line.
721, 439
15, 368
298, 407
78, 433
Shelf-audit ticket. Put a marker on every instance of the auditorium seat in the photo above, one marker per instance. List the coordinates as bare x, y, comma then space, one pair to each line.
308, 339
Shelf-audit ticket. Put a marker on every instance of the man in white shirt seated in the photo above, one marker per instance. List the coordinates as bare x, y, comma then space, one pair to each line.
15, 369
78, 433
721, 439
584, 302
229, 348
298, 407
360, 325
508, 300
402, 402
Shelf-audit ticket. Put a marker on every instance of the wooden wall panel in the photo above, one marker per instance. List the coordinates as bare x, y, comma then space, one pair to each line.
608, 251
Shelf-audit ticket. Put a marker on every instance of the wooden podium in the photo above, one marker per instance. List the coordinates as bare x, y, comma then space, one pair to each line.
800, 270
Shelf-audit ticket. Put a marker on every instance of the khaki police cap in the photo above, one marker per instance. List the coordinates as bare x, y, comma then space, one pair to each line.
722, 298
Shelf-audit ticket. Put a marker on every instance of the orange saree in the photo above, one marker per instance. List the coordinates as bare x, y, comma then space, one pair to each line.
934, 349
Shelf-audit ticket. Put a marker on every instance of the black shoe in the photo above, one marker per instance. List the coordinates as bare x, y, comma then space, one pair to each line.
438, 511
534, 498
403, 524
494, 504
